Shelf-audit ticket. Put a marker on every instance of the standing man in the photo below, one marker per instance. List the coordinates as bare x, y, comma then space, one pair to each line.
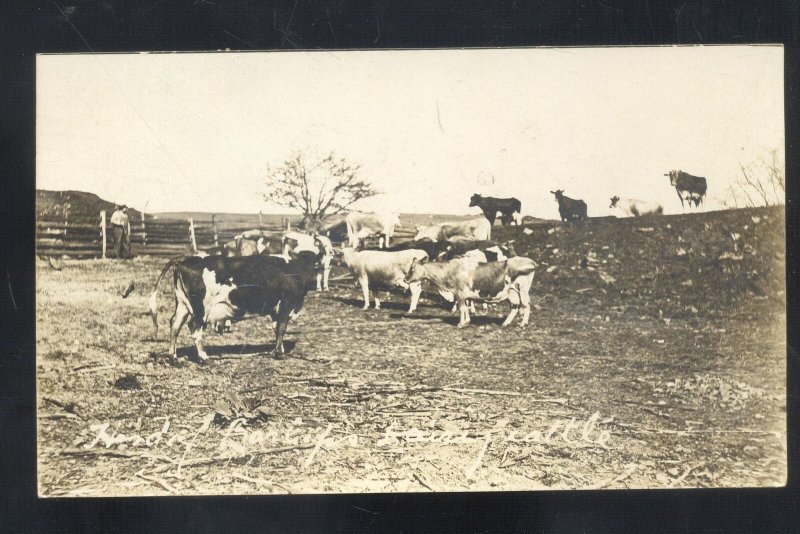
122, 232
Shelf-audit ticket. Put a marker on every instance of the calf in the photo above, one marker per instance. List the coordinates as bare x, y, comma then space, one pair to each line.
471, 229
383, 267
570, 209
694, 186
636, 208
467, 280
215, 289
294, 242
510, 208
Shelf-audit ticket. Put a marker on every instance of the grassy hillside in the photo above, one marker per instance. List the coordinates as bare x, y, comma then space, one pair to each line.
80, 206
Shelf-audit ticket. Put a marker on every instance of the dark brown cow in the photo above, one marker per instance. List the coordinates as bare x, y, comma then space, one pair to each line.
694, 186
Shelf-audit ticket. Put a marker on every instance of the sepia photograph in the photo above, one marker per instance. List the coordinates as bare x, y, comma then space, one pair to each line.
340, 271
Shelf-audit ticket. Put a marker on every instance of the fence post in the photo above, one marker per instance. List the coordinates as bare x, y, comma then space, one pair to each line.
260, 220
287, 224
214, 227
191, 235
66, 217
103, 230
144, 231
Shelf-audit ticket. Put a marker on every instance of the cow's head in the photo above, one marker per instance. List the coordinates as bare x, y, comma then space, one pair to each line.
559, 193
614, 201
673, 176
416, 271
476, 198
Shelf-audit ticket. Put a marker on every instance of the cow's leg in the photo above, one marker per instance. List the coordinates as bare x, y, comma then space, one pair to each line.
365, 290
377, 302
319, 281
511, 315
228, 326
326, 273
416, 291
462, 306
285, 312
472, 307
679, 196
524, 288
455, 307
175, 324
197, 335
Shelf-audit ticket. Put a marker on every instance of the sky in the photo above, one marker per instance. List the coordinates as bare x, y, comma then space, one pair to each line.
197, 132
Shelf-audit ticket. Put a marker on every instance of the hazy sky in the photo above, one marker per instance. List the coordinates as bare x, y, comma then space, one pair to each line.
197, 131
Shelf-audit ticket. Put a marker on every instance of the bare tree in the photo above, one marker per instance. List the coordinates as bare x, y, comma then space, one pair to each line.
317, 189
763, 184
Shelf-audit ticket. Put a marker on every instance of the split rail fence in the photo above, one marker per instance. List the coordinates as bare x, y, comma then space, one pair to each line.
149, 235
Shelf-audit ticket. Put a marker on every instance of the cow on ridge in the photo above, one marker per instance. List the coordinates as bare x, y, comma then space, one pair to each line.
509, 208
693, 186
570, 209
636, 208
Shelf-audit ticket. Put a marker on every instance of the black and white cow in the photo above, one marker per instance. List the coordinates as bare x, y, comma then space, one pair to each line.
214, 289
693, 186
294, 242
509, 208
570, 209
493, 251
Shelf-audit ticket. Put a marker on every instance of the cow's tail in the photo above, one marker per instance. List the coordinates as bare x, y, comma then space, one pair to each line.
152, 302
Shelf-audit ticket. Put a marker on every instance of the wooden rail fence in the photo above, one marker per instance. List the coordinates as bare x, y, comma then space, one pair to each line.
149, 236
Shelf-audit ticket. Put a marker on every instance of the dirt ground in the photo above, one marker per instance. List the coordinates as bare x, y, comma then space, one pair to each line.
655, 358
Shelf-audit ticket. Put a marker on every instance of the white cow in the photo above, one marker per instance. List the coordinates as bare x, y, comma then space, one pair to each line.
468, 280
636, 208
361, 225
473, 229
384, 267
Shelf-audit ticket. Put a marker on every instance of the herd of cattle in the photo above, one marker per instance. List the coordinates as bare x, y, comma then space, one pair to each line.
270, 273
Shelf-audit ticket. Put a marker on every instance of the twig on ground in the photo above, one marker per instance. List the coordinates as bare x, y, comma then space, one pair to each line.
257, 481
102, 452
419, 479
482, 391
97, 369
628, 472
58, 416
314, 452
214, 459
684, 475
158, 481
474, 467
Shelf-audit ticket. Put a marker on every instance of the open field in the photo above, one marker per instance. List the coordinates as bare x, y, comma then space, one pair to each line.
655, 358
